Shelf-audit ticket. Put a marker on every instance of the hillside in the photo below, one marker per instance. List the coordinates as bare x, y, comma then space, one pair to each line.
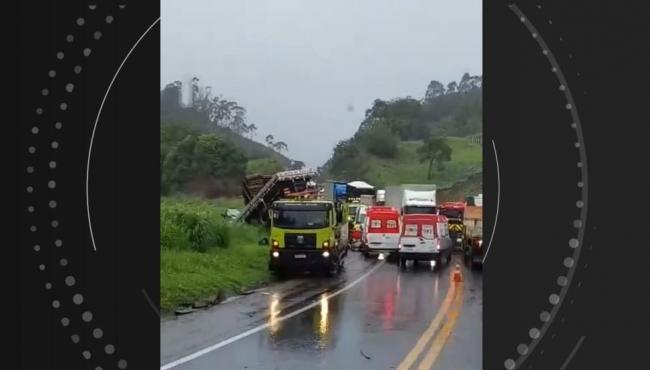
407, 140
466, 162
207, 146
197, 120
457, 192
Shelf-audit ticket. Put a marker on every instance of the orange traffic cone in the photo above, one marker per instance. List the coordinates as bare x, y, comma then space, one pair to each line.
458, 277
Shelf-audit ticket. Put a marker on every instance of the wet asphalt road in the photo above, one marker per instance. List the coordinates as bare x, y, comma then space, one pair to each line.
373, 324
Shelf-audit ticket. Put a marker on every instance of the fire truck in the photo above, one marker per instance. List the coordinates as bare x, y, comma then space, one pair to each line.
455, 213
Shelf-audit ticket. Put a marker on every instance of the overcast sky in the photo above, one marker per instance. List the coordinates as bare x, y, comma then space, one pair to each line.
298, 66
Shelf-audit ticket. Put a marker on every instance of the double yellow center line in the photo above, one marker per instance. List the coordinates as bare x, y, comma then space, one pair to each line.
439, 329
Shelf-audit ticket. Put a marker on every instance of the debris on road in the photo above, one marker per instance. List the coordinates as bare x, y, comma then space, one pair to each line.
364, 355
184, 310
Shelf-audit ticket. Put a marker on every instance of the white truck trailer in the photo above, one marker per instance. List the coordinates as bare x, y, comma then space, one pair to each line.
412, 198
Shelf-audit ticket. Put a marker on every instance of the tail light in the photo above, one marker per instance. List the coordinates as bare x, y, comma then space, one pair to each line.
438, 244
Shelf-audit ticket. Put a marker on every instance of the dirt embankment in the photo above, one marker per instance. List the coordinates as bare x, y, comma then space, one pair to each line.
457, 192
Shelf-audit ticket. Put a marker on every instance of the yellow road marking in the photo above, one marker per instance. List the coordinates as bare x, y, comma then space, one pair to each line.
441, 338
424, 339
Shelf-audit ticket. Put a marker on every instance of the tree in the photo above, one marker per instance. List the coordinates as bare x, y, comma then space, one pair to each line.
464, 85
347, 161
434, 90
252, 130
280, 146
452, 87
475, 82
206, 158
194, 84
238, 122
434, 150
269, 140
170, 96
381, 141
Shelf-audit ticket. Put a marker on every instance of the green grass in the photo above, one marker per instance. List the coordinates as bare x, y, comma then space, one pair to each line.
187, 276
202, 255
466, 160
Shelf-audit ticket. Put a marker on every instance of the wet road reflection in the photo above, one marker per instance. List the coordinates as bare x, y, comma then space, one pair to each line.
324, 308
274, 311
374, 325
308, 331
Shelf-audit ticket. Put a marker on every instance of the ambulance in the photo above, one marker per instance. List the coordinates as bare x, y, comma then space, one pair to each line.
381, 231
425, 237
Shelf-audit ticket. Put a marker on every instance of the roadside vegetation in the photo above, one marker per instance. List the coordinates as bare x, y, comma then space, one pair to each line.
406, 166
204, 256
208, 144
407, 140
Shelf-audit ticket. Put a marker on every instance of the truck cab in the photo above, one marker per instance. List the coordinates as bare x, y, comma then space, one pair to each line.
419, 202
305, 235
455, 212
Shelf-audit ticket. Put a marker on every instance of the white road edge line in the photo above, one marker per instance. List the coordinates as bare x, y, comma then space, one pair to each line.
256, 329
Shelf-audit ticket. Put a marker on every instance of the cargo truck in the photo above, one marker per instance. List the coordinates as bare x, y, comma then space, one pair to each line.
412, 198
455, 213
305, 235
380, 197
473, 249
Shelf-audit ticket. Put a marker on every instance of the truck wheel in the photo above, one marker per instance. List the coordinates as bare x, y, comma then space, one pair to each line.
281, 273
332, 269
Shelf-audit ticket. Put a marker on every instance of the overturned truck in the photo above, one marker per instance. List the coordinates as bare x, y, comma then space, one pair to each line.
260, 191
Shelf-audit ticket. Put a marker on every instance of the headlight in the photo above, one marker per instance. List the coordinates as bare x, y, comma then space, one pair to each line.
326, 244
276, 254
459, 240
275, 243
326, 254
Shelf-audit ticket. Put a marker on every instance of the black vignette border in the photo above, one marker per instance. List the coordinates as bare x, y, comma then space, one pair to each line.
563, 279
82, 247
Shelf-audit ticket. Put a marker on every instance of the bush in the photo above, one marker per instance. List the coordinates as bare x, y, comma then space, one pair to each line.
173, 236
192, 226
198, 225
381, 141
199, 163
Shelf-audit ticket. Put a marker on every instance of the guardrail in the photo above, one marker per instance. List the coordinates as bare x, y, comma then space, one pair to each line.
476, 139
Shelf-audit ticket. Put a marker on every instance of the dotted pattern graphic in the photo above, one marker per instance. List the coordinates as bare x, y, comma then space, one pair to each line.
575, 244
47, 179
